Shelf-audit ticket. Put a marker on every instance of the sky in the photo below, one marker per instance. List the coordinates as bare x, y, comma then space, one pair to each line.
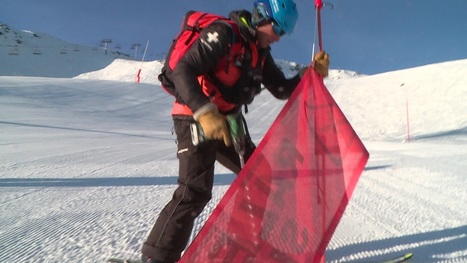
86, 163
366, 36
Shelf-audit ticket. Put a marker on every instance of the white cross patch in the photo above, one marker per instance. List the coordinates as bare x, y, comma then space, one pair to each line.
210, 37
213, 37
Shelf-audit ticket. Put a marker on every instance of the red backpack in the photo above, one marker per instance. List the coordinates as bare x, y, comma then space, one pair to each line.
193, 23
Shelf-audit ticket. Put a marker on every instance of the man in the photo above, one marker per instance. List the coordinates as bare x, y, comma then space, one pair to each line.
211, 82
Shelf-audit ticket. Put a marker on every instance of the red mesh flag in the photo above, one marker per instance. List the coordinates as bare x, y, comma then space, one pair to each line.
287, 201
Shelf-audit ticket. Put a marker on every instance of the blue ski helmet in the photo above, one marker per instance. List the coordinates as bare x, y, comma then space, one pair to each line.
283, 12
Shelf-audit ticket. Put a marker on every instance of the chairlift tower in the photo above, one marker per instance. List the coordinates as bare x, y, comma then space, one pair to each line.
135, 47
106, 42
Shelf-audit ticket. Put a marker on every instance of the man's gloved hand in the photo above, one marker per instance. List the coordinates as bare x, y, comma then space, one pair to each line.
215, 126
321, 63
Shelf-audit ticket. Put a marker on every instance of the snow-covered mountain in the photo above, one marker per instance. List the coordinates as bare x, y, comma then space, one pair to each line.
125, 70
403, 94
26, 53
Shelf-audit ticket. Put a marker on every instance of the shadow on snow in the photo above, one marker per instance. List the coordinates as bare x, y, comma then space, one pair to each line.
451, 133
76, 129
434, 246
219, 179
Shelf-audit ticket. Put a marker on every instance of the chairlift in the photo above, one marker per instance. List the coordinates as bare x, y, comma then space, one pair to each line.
13, 52
37, 51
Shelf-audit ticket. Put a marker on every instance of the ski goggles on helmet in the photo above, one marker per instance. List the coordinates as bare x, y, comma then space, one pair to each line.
265, 14
277, 29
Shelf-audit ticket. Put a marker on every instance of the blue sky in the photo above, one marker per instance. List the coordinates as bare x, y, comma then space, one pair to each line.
367, 36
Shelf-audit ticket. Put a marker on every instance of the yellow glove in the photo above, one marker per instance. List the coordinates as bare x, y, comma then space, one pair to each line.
321, 63
215, 126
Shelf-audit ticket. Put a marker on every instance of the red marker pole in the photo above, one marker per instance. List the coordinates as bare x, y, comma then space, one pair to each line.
138, 75
319, 5
407, 111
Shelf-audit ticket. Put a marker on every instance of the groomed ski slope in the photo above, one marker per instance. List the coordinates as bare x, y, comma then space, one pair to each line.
86, 165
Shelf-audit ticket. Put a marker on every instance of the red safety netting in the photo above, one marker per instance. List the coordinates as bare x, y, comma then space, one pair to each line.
287, 201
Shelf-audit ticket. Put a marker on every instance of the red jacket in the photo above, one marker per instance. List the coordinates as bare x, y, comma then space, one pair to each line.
225, 67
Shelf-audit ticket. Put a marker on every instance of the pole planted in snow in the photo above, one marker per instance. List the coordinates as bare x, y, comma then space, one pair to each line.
407, 111
138, 75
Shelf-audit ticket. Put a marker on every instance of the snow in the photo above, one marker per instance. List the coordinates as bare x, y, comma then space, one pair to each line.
86, 163
52, 57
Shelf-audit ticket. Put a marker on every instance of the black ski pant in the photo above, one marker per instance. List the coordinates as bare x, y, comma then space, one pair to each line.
171, 232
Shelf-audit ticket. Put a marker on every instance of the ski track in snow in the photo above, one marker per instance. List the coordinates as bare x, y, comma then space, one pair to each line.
87, 165
393, 206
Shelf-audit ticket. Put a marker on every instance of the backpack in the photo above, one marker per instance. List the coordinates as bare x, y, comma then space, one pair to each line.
194, 22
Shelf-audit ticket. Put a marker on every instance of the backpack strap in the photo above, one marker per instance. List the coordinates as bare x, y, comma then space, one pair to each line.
195, 28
